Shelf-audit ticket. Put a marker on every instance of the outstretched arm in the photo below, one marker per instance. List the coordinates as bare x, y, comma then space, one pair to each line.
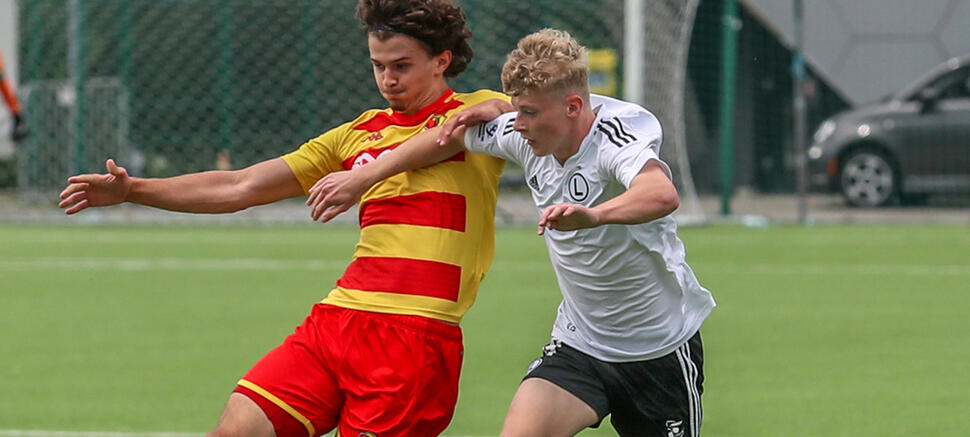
206, 192
338, 191
651, 195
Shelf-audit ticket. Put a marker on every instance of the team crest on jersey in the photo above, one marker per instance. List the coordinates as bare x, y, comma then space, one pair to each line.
534, 182
486, 131
435, 120
578, 187
675, 428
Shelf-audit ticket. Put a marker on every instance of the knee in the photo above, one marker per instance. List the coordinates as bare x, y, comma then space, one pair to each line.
227, 430
243, 418
525, 431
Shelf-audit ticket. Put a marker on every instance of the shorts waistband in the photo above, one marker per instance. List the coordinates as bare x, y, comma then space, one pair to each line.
433, 327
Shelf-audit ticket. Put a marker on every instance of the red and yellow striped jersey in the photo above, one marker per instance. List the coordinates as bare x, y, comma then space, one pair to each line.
427, 235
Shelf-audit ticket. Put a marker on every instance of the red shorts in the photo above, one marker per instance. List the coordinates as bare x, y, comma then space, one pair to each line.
362, 372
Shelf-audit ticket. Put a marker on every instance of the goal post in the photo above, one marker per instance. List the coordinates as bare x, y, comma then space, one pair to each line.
660, 32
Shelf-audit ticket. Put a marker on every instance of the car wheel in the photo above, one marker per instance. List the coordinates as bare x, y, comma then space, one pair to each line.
867, 179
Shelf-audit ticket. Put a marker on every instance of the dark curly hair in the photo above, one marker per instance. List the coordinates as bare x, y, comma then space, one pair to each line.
437, 23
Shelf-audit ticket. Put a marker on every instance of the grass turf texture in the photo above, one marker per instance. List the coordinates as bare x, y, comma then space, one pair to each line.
835, 331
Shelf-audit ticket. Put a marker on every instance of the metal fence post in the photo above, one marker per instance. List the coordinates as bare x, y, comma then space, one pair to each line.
76, 55
800, 114
729, 56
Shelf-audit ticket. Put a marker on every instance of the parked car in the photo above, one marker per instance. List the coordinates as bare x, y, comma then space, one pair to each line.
911, 144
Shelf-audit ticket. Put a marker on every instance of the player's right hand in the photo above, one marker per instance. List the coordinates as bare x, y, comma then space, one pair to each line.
483, 112
567, 217
88, 190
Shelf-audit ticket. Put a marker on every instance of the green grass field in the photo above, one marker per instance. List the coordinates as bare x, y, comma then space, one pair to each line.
821, 331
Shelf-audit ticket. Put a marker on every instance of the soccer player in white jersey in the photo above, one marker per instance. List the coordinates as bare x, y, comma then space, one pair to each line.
626, 339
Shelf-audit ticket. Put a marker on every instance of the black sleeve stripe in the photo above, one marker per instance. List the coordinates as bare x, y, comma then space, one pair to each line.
509, 126
621, 135
609, 135
623, 129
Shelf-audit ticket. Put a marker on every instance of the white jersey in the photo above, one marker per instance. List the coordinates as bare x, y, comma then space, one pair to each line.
628, 293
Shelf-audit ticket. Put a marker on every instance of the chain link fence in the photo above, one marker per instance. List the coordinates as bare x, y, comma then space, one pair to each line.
176, 86
195, 81
169, 87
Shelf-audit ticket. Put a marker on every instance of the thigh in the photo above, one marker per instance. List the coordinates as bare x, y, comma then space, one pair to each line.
567, 377
242, 416
400, 376
541, 408
294, 384
659, 397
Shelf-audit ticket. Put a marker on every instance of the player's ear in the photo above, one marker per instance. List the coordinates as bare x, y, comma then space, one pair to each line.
574, 105
442, 61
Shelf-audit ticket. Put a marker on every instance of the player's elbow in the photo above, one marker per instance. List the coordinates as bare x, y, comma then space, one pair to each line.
668, 201
241, 193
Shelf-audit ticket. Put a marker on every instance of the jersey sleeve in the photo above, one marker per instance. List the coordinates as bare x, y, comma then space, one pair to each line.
480, 96
497, 138
316, 158
630, 142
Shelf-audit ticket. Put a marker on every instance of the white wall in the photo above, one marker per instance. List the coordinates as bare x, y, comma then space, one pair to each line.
870, 48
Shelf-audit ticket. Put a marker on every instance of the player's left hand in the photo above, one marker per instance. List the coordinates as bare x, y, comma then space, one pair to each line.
335, 193
480, 113
567, 217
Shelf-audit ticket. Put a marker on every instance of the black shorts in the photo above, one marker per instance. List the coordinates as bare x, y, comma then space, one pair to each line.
659, 397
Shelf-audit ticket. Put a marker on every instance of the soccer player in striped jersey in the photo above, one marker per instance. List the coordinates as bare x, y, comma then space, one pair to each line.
18, 130
381, 354
626, 339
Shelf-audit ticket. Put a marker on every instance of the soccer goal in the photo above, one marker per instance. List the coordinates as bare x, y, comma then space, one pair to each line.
667, 28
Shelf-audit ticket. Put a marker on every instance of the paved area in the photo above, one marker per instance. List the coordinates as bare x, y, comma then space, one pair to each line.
514, 209
749, 208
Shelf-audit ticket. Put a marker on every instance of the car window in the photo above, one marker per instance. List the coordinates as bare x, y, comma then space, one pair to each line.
952, 85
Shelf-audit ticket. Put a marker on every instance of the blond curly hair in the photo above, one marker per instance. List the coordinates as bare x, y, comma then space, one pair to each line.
547, 60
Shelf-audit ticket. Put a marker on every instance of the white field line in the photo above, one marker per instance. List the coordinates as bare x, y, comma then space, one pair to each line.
190, 238
139, 264
888, 270
223, 264
52, 433
142, 264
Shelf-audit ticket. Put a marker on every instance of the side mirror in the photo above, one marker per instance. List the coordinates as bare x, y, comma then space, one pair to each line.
927, 98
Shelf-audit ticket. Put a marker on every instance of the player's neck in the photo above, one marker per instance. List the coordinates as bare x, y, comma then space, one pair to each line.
579, 129
427, 97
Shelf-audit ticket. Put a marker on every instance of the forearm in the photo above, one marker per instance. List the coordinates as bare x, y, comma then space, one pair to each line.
617, 211
417, 152
207, 192
218, 191
651, 196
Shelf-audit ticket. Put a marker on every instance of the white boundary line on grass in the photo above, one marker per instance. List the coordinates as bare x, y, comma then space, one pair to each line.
53, 433
26, 264
20, 264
